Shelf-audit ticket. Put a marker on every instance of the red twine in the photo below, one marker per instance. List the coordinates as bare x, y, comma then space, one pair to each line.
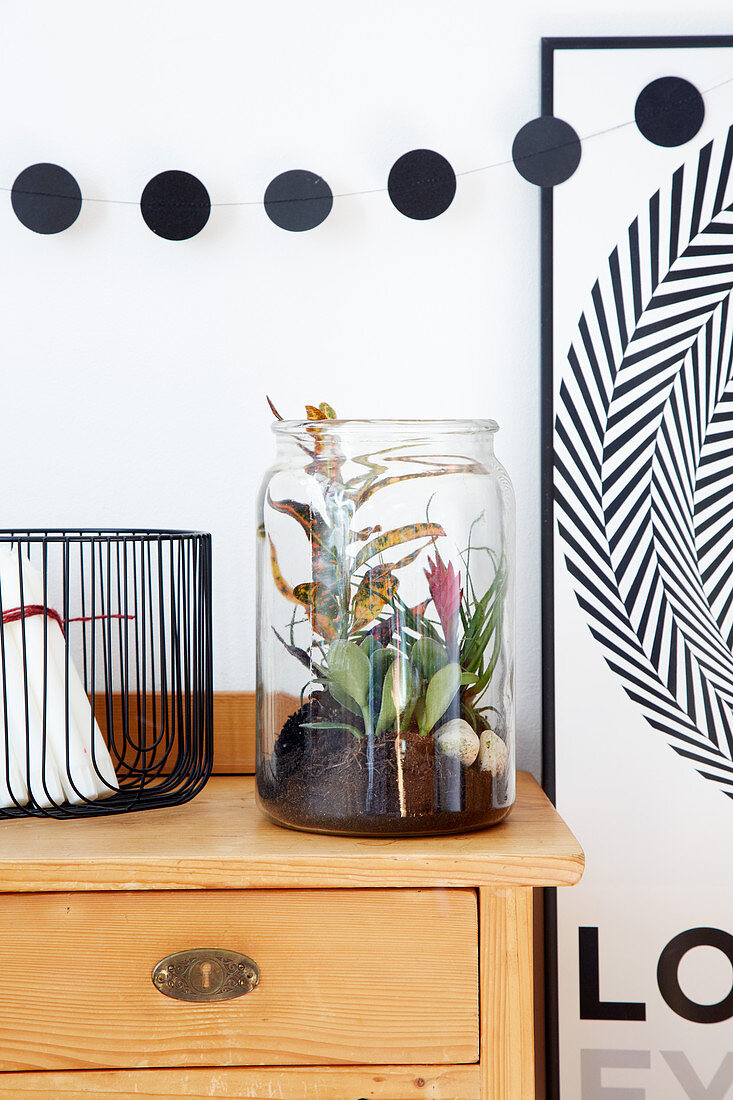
32, 609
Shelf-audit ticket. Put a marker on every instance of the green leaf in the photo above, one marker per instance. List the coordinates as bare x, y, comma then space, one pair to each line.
396, 693
428, 656
485, 680
476, 623
420, 716
370, 645
482, 626
380, 662
344, 699
441, 692
348, 667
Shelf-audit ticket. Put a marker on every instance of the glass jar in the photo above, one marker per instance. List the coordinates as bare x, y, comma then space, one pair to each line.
385, 628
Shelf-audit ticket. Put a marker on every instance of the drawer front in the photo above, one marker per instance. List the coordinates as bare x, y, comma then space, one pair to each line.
346, 976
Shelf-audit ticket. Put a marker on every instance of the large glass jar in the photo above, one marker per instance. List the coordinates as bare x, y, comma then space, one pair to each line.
385, 628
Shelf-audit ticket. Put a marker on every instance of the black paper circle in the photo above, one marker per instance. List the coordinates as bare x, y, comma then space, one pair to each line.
546, 151
422, 184
669, 111
298, 200
46, 198
175, 205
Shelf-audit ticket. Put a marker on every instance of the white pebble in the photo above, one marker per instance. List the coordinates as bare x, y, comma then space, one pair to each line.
493, 753
457, 739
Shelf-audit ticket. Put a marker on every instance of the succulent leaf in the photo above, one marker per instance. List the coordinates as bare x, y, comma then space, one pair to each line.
388, 708
428, 656
349, 668
397, 693
370, 645
343, 698
442, 689
381, 659
419, 713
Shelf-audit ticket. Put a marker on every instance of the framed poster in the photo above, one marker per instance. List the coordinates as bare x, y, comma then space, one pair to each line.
638, 566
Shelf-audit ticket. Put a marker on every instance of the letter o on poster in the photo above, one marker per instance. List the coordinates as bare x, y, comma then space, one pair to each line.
668, 977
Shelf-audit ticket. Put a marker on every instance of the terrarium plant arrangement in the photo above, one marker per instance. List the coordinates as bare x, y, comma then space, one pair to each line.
385, 644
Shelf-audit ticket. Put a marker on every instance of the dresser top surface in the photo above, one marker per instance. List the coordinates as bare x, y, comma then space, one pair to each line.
221, 840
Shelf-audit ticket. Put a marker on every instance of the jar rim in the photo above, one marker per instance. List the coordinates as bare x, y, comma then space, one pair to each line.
445, 427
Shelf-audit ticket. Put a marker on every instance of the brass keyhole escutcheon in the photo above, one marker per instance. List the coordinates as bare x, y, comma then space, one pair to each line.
205, 975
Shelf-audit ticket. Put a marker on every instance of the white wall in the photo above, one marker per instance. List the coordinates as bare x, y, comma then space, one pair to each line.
135, 367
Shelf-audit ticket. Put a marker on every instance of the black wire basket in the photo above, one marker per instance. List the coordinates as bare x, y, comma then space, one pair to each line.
106, 692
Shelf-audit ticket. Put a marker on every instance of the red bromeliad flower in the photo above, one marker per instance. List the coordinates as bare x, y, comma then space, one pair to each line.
445, 588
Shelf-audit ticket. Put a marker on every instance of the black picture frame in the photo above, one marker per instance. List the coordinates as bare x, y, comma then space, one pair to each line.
549, 46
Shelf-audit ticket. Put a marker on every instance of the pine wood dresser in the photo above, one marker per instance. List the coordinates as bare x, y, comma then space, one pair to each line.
388, 969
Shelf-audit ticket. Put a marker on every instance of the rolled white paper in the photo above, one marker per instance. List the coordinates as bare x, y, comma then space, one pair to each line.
12, 709
38, 778
85, 736
80, 774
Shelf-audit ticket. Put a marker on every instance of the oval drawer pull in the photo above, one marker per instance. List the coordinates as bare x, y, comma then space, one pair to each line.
205, 975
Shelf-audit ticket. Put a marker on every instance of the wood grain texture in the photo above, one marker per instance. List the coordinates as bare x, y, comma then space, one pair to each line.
234, 727
507, 1009
234, 732
301, 1083
220, 839
359, 976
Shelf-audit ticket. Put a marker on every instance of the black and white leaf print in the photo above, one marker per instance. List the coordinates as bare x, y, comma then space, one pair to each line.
644, 462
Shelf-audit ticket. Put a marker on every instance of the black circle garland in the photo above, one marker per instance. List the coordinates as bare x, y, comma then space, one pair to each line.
422, 184
546, 151
669, 111
175, 205
46, 198
298, 200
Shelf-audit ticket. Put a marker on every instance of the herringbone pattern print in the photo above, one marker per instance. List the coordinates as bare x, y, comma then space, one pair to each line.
644, 462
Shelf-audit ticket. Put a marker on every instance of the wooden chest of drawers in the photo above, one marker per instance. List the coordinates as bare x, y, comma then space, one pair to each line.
389, 969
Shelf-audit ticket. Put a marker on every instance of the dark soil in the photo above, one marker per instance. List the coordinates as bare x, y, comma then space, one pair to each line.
324, 780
